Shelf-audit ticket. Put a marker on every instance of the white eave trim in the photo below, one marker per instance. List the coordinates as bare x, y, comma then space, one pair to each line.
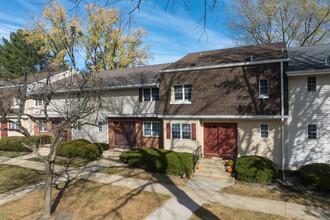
149, 85
226, 65
50, 116
308, 72
130, 116
222, 116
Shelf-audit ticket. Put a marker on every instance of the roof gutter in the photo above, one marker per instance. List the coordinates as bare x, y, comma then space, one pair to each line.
308, 72
225, 65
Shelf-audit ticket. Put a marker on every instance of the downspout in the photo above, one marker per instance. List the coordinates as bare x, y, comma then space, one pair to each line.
282, 119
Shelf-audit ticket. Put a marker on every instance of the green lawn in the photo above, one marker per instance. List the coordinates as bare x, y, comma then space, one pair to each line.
12, 154
215, 212
145, 175
13, 177
300, 198
67, 162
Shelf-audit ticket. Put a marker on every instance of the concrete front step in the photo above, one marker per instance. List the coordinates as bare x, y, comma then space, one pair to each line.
225, 179
212, 162
215, 172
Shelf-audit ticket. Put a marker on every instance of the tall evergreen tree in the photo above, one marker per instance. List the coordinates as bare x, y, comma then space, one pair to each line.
17, 57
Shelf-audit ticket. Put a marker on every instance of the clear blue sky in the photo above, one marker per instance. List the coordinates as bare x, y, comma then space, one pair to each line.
171, 35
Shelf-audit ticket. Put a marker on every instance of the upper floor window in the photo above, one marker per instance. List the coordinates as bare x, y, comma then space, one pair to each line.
17, 101
312, 131
79, 126
264, 131
151, 128
43, 126
40, 101
150, 94
311, 84
263, 88
182, 93
181, 131
100, 125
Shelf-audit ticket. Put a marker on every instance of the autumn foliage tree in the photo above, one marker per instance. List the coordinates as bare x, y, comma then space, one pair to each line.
296, 22
100, 36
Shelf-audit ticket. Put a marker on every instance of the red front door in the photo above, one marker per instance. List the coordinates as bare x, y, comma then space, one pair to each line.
220, 139
125, 134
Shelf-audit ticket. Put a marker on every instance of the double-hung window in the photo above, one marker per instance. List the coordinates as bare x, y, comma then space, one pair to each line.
151, 128
43, 126
182, 93
263, 88
17, 101
79, 126
264, 131
150, 94
40, 101
311, 84
100, 126
181, 131
14, 126
312, 132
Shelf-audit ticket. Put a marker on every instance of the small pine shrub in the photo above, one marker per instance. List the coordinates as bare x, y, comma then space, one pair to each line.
255, 169
315, 176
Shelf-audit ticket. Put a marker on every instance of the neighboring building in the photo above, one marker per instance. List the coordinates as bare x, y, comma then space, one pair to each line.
309, 105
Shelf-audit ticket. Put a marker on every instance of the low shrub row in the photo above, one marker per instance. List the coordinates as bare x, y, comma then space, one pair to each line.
255, 169
15, 143
159, 160
82, 148
315, 176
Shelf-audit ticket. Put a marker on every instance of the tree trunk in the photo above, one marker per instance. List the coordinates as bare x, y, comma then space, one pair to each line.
48, 190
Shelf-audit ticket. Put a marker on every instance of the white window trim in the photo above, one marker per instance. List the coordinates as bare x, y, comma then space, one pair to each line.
184, 100
150, 93
307, 84
43, 129
181, 131
151, 128
264, 96
317, 136
79, 128
16, 126
267, 131
40, 100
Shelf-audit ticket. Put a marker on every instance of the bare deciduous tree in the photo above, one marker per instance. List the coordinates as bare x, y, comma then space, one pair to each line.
58, 111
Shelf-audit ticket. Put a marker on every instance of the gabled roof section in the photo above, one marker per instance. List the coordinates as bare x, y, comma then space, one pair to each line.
262, 52
309, 57
132, 76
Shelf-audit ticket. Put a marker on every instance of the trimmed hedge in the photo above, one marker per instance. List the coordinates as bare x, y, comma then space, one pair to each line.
255, 169
14, 143
81, 148
159, 160
315, 176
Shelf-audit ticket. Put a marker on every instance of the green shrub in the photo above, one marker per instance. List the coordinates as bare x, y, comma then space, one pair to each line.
102, 146
315, 176
80, 147
159, 160
255, 169
14, 143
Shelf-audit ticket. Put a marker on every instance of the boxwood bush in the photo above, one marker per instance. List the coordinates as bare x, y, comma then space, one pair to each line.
315, 176
82, 148
14, 143
159, 160
255, 169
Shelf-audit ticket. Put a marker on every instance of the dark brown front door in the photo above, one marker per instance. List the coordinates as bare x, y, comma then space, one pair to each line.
56, 123
125, 134
220, 139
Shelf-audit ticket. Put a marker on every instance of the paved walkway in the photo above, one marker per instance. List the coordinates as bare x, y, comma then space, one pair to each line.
185, 201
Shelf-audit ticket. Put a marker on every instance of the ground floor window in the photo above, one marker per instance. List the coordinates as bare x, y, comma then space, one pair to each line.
264, 131
14, 126
43, 126
100, 125
151, 128
181, 131
312, 132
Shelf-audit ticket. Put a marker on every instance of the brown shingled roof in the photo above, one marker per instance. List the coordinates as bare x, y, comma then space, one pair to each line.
232, 55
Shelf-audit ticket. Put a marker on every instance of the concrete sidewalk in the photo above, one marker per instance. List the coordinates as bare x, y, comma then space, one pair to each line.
186, 199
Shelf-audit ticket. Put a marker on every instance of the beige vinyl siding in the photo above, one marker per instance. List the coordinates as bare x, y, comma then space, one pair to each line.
309, 108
